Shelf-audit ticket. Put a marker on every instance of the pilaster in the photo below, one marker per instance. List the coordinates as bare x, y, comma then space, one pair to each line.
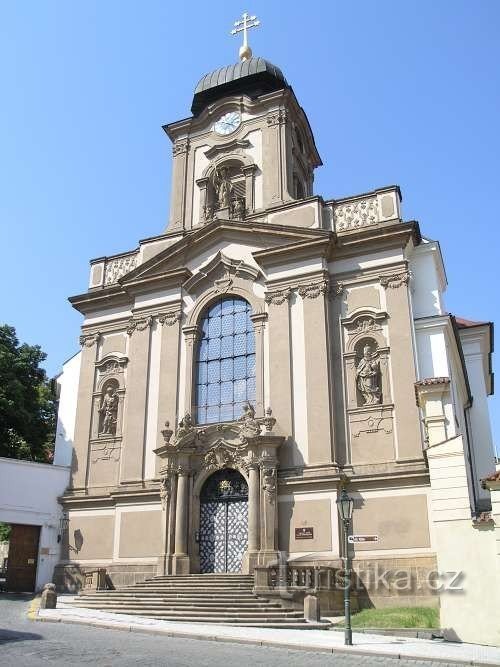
280, 370
316, 335
409, 446
79, 464
132, 466
180, 151
191, 337
169, 370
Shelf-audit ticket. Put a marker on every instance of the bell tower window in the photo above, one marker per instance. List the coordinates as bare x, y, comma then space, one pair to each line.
225, 364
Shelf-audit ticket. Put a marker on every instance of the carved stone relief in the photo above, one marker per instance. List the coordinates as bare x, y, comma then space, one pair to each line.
105, 451
90, 339
278, 297
355, 214
139, 324
269, 482
118, 267
180, 146
278, 117
314, 289
170, 318
395, 280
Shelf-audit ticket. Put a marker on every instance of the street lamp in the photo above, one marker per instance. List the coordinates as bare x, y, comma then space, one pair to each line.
345, 506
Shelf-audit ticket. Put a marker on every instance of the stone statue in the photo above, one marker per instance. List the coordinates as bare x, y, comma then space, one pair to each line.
367, 377
249, 427
223, 187
239, 209
109, 411
185, 427
208, 212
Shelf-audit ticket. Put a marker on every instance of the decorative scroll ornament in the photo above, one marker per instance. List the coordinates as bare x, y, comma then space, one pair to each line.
165, 491
170, 318
313, 290
395, 280
368, 377
278, 117
269, 483
278, 297
88, 340
180, 146
139, 324
221, 456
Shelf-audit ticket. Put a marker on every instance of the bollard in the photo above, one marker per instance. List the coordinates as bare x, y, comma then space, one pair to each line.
49, 597
311, 609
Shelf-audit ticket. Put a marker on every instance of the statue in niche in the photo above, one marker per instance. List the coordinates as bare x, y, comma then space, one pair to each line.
368, 376
109, 411
223, 187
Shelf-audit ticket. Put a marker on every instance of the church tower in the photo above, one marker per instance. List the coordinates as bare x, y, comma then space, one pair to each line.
247, 148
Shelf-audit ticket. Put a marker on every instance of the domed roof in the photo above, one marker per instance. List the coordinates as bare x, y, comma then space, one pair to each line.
254, 76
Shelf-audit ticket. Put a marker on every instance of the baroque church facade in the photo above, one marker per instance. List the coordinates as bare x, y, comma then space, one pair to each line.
267, 349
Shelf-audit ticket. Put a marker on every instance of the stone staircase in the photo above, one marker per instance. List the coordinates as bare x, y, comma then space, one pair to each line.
198, 598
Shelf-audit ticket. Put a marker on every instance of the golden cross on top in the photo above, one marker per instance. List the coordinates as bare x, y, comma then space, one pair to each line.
243, 25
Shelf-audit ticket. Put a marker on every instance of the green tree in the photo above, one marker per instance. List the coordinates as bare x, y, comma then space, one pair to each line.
27, 401
4, 532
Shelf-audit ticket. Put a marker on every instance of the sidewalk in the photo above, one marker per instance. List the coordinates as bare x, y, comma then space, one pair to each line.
314, 640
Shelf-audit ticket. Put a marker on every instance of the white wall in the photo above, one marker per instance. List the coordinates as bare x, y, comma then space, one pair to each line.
65, 431
428, 280
469, 614
28, 495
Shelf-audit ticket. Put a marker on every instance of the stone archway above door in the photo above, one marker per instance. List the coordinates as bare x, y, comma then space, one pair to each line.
189, 457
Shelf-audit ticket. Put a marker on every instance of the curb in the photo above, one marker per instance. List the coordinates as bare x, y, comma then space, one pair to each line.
32, 612
264, 643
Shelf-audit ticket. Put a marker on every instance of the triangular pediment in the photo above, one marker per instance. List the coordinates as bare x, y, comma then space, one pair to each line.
171, 265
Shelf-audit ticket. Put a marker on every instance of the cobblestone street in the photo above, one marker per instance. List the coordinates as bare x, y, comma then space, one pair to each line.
25, 643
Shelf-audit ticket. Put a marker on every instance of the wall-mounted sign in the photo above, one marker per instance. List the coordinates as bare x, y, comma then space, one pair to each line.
304, 533
355, 539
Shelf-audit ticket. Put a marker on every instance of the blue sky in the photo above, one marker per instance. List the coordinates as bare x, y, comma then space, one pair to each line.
396, 92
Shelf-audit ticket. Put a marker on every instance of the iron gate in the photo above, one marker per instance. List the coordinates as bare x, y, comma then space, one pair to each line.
223, 522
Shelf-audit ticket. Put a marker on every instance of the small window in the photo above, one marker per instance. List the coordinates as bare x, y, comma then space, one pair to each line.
225, 366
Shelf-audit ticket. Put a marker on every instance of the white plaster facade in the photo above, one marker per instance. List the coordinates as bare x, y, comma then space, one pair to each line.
28, 495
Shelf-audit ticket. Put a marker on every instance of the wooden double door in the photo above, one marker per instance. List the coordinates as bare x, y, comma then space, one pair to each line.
23, 557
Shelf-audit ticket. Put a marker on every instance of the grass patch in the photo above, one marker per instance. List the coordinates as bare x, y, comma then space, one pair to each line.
396, 617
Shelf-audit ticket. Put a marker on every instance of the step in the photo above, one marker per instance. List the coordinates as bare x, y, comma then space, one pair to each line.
202, 614
179, 603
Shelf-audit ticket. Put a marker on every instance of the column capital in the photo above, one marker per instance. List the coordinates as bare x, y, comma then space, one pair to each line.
278, 297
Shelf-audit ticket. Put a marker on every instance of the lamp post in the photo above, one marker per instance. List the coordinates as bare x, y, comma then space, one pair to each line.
345, 506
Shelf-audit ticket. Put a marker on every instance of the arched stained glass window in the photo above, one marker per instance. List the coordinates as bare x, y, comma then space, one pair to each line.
225, 365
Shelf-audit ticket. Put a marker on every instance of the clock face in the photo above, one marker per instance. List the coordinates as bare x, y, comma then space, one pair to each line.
228, 123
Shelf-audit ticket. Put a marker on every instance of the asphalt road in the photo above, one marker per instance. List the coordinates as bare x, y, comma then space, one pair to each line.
26, 643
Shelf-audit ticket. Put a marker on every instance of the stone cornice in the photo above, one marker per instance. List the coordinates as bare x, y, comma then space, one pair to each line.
305, 249
371, 238
100, 299
140, 280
